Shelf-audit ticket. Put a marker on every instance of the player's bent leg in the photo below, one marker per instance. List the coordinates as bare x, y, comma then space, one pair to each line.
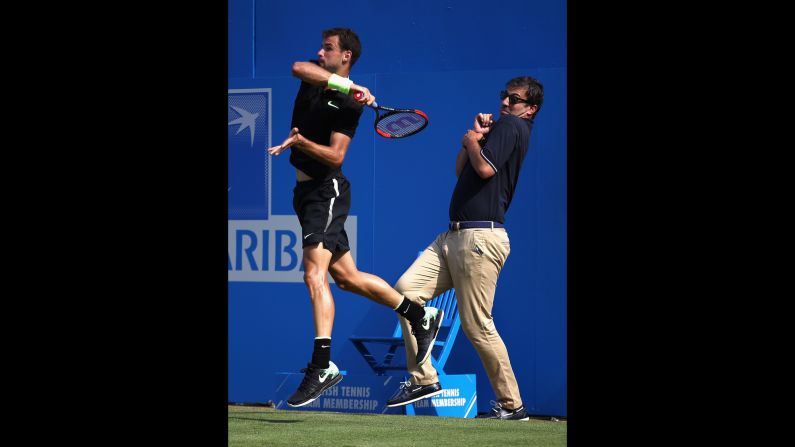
424, 327
348, 277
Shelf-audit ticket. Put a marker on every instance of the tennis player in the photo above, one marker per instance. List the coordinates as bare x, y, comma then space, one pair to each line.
325, 118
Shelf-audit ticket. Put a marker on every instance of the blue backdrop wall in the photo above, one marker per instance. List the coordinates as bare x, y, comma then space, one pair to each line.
450, 60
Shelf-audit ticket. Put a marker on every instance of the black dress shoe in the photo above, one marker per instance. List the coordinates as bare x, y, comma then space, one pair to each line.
408, 393
519, 414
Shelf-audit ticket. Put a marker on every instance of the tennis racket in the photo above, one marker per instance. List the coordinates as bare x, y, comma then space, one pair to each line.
396, 123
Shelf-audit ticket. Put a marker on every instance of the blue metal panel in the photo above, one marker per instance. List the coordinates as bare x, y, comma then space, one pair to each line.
418, 35
240, 31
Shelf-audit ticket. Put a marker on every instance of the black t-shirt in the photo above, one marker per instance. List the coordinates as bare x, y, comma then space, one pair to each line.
318, 112
475, 198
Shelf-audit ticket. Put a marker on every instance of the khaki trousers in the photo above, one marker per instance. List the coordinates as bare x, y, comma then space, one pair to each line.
469, 261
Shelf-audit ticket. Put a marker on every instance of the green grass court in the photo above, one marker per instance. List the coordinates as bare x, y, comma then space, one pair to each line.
261, 426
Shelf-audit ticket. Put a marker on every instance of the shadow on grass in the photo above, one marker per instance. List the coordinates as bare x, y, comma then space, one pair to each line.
273, 421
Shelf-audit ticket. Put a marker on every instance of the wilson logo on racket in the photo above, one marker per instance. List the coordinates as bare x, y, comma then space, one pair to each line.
397, 123
403, 122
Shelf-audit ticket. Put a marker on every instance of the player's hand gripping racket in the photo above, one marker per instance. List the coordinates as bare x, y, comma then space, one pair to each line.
396, 123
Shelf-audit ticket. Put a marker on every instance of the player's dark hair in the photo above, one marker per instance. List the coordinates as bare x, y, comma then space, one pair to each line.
349, 41
534, 91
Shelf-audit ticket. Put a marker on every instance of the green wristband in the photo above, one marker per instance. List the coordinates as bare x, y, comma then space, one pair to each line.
337, 82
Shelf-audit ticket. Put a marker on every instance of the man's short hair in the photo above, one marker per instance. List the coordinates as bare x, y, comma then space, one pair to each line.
533, 89
349, 41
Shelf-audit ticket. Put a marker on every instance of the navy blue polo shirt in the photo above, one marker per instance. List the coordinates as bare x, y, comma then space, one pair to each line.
475, 198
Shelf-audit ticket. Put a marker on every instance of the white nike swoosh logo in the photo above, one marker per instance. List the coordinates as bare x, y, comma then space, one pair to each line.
332, 105
323, 377
310, 234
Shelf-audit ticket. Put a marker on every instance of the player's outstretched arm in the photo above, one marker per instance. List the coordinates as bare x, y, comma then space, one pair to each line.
316, 75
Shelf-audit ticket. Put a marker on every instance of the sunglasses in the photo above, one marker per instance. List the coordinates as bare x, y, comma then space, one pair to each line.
513, 98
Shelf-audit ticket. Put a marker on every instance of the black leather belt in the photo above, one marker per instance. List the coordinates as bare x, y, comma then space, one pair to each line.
455, 226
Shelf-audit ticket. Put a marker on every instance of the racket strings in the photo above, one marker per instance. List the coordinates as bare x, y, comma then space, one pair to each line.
400, 124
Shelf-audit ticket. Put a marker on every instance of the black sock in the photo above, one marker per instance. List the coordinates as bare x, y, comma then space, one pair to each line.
410, 311
322, 353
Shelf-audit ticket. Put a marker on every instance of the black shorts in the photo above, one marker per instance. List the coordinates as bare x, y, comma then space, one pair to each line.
322, 207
